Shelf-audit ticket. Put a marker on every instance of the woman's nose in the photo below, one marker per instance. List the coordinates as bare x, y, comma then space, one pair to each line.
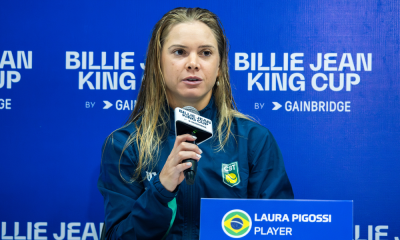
192, 63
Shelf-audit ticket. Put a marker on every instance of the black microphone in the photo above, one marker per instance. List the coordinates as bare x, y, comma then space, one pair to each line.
189, 121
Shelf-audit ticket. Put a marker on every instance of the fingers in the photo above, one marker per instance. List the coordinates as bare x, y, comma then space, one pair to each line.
182, 155
170, 178
179, 155
183, 166
185, 146
182, 148
184, 138
172, 173
182, 145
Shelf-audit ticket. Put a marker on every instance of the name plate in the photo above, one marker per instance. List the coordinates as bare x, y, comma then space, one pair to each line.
276, 219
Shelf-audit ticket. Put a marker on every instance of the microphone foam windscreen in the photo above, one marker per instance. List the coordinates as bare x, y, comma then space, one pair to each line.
191, 109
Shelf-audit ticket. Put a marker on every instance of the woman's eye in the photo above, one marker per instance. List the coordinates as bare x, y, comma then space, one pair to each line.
179, 52
207, 53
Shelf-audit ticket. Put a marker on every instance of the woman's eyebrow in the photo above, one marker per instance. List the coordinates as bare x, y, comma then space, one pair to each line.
183, 46
206, 46
177, 45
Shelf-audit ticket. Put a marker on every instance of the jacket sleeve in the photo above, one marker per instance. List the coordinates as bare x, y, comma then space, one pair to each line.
267, 177
131, 210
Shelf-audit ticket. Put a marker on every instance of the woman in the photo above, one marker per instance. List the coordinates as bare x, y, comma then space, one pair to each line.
142, 179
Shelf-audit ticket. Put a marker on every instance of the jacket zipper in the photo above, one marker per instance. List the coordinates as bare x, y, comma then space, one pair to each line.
190, 223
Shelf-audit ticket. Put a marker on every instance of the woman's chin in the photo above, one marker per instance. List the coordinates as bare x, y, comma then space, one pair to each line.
196, 97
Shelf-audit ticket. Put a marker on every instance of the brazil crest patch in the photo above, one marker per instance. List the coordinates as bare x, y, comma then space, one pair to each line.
230, 174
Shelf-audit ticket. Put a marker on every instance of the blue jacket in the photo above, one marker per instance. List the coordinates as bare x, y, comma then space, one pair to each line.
251, 166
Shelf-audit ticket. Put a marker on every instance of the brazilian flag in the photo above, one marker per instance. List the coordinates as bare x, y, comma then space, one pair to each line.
237, 224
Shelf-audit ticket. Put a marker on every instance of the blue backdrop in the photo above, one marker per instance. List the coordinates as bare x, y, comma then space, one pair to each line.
321, 75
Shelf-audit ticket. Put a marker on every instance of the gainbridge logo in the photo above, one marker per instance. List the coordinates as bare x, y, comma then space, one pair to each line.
236, 223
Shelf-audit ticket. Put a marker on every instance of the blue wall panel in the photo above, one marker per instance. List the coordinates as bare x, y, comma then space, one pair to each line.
52, 133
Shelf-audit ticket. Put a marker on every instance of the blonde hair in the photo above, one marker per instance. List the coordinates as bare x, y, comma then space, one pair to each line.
152, 104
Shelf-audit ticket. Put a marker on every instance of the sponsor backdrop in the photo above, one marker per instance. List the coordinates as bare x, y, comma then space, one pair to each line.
323, 76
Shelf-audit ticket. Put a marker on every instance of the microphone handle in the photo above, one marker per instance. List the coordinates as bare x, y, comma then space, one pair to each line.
190, 173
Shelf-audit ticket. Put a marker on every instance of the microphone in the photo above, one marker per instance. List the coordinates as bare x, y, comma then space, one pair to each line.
189, 121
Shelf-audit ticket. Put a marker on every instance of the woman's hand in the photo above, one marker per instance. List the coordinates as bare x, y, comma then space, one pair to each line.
172, 173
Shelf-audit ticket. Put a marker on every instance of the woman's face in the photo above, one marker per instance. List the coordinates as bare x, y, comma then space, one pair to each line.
190, 64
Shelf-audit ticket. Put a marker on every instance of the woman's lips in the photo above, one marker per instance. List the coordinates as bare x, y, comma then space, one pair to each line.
192, 80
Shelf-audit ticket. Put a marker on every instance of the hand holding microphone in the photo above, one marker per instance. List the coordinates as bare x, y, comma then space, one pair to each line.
172, 173
190, 129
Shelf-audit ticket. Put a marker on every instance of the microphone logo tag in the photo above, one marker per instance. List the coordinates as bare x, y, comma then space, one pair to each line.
230, 174
187, 122
195, 118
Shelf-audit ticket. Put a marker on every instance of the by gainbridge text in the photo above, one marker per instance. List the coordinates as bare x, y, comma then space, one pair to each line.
317, 106
307, 106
